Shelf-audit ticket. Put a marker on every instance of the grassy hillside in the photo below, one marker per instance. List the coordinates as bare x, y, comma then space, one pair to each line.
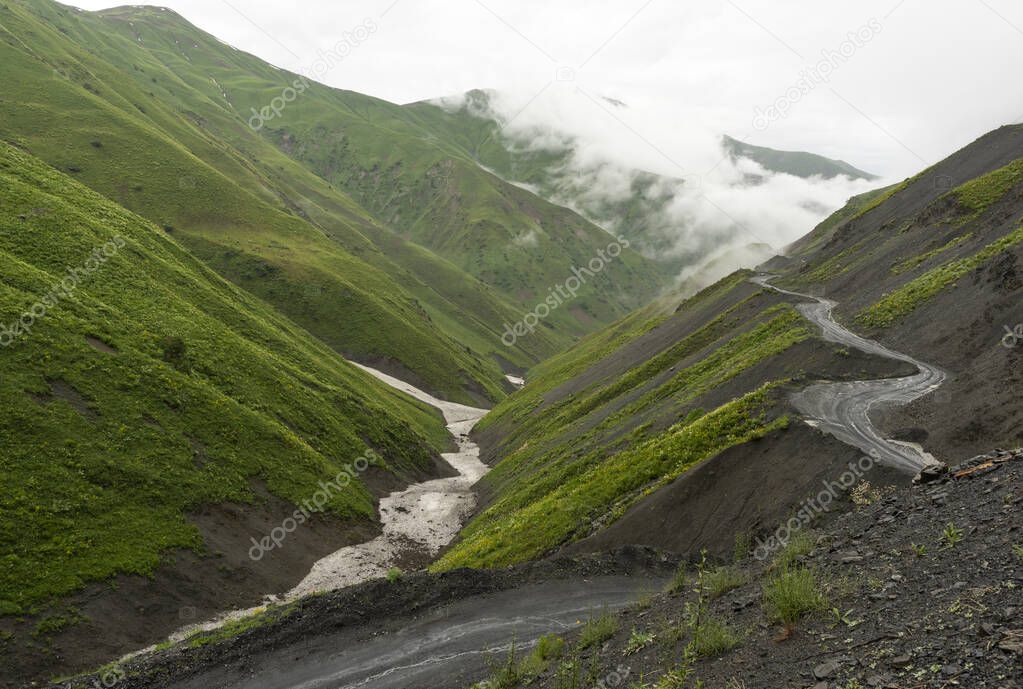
407, 177
588, 497
153, 388
625, 412
149, 126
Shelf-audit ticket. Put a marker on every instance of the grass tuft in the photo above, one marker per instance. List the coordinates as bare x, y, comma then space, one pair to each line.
712, 637
720, 581
598, 630
792, 593
800, 544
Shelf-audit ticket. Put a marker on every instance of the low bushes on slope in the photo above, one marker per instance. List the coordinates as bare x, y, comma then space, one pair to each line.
905, 299
552, 453
977, 194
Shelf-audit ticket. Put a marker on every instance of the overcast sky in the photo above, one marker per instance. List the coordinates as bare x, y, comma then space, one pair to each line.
924, 77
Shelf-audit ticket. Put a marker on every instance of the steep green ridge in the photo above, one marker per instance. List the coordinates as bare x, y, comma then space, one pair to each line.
798, 163
507, 237
158, 125
405, 176
621, 414
153, 388
608, 487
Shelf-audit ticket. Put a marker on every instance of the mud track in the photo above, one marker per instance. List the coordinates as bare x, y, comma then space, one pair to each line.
843, 409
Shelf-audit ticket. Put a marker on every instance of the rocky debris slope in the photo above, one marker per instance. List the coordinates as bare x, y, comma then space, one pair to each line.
919, 588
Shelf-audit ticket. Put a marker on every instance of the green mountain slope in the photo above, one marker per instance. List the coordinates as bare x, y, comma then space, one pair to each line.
162, 140
406, 176
627, 411
476, 130
152, 388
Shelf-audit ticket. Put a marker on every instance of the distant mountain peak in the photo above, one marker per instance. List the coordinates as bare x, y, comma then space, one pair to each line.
797, 163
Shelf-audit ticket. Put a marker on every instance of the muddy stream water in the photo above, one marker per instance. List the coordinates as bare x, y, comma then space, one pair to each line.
417, 521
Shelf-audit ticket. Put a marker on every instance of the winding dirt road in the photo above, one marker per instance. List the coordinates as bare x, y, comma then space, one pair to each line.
843, 409
447, 647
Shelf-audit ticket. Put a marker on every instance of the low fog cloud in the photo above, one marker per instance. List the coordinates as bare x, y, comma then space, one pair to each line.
720, 212
891, 86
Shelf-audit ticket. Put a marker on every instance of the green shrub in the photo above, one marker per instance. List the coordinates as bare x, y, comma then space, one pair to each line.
174, 352
506, 676
638, 641
719, 581
678, 580
569, 674
712, 637
799, 545
952, 535
55, 624
598, 630
792, 593
743, 545
548, 647
675, 679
